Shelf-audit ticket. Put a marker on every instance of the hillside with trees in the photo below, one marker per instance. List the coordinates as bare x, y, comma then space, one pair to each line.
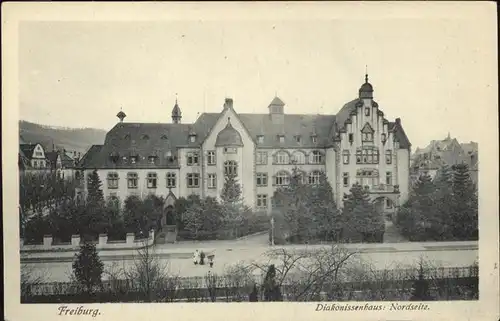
71, 139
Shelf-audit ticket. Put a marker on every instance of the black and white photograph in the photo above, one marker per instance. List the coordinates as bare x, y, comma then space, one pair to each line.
253, 154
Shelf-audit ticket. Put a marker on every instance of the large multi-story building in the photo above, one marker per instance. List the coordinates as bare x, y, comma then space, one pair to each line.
173, 159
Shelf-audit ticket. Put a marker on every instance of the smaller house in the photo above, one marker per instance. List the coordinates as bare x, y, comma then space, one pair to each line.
32, 157
61, 162
449, 152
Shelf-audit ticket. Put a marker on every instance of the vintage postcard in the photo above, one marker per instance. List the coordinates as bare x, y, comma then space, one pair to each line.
250, 161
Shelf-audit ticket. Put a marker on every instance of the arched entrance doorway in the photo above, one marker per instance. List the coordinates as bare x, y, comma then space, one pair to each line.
168, 224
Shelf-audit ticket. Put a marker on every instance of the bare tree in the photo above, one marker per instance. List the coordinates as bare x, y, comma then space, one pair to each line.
308, 274
151, 275
30, 280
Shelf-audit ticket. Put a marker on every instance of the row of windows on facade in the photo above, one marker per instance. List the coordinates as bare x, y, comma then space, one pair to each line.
282, 178
367, 136
367, 155
366, 178
39, 164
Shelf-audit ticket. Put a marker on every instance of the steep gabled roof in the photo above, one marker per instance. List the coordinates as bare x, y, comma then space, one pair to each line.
27, 149
400, 135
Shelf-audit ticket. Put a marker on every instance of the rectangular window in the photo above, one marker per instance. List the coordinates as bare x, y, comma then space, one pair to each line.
314, 139
152, 180
193, 180
212, 181
368, 137
192, 159
192, 138
132, 180
261, 179
262, 200
261, 158
133, 159
39, 154
375, 156
281, 138
345, 156
171, 180
345, 179
260, 139
388, 178
367, 111
298, 139
211, 157
388, 203
351, 138
388, 157
230, 150
317, 157
112, 180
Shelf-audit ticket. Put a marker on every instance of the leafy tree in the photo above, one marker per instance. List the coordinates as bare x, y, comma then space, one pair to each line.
88, 268
93, 220
231, 191
326, 216
360, 215
140, 216
291, 201
272, 291
193, 220
464, 208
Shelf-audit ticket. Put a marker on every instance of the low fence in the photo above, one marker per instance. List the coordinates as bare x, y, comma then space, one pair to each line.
397, 290
389, 279
48, 244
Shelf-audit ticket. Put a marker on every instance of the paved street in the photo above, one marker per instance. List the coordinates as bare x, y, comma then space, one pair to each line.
179, 260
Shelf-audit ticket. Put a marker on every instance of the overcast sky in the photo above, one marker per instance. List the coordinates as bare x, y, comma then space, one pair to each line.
427, 72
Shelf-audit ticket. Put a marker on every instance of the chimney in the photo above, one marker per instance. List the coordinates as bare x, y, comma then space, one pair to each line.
398, 121
228, 103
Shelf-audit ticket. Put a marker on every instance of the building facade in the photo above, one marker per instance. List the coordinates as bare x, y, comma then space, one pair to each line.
447, 151
173, 159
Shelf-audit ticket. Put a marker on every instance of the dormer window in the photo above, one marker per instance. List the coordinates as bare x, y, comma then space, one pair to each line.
351, 138
192, 138
164, 137
260, 139
152, 159
127, 137
145, 137
114, 157
124, 158
367, 111
314, 139
281, 138
298, 139
133, 159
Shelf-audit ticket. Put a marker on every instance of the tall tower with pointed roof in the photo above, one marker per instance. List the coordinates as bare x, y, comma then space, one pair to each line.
176, 113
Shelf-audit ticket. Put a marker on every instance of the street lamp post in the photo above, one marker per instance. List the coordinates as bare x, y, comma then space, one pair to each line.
272, 231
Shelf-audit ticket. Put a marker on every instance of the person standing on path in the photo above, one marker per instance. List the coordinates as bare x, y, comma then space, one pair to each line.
196, 257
